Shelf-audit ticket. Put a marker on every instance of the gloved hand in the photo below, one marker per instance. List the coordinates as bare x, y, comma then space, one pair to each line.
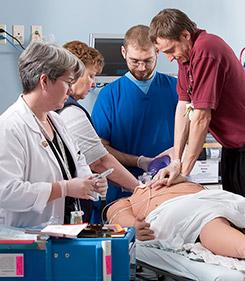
101, 185
143, 162
168, 175
80, 187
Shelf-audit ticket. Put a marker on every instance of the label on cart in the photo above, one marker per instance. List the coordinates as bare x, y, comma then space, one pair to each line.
11, 265
107, 262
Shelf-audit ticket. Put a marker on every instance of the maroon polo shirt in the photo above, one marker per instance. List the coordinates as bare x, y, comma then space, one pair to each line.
215, 79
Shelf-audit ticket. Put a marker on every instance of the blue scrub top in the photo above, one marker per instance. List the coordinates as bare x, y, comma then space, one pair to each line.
134, 122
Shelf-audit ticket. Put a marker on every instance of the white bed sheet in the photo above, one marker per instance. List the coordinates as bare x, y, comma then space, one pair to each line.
182, 266
179, 221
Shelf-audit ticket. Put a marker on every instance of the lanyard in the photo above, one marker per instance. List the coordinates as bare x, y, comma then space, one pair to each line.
190, 81
63, 158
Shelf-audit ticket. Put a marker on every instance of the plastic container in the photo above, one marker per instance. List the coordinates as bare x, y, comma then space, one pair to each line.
158, 163
76, 217
95, 196
145, 178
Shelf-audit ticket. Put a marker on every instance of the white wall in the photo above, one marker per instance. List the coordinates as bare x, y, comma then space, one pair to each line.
224, 18
75, 19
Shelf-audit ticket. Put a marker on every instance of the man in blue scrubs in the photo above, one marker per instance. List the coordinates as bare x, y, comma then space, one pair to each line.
134, 115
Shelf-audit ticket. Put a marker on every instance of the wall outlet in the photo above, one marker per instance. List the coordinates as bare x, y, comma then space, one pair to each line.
18, 33
36, 33
3, 41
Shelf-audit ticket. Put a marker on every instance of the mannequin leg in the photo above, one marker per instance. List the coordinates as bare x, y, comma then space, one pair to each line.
222, 239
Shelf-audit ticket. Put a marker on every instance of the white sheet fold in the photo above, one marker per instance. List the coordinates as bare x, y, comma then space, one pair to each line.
197, 252
179, 221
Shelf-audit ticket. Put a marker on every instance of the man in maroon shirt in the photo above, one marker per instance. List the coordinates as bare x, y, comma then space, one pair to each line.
211, 88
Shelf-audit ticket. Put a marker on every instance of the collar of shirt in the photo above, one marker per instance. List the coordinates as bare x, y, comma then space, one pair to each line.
144, 85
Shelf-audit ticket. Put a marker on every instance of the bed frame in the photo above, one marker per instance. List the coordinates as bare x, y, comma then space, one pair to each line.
161, 275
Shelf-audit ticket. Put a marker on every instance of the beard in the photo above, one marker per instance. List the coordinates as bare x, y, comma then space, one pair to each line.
142, 75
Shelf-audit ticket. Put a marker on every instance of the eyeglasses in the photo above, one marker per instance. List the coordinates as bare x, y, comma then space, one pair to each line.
136, 63
69, 83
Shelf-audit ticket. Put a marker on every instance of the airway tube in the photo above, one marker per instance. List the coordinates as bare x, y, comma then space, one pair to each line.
241, 57
158, 163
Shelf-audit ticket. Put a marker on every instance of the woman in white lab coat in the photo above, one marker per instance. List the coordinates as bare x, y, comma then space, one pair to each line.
39, 164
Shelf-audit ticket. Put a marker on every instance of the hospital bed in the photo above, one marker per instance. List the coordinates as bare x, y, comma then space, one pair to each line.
173, 266
168, 265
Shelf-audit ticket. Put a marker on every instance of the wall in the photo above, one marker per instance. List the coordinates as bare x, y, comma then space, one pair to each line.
75, 19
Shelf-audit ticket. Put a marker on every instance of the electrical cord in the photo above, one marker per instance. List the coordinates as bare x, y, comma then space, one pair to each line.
4, 31
105, 207
109, 204
9, 42
147, 199
5, 38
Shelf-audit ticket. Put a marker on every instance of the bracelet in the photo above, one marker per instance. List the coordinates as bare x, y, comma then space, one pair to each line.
63, 188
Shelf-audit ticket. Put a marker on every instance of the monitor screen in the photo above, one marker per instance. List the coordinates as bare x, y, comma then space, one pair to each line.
110, 47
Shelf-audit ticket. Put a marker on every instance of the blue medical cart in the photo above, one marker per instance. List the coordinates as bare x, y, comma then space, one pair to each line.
79, 259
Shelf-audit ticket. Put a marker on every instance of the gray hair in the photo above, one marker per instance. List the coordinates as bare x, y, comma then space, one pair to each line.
46, 58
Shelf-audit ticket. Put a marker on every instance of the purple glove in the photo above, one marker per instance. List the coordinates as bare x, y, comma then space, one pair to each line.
158, 163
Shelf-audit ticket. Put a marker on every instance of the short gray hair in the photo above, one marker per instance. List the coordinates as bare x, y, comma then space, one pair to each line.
46, 58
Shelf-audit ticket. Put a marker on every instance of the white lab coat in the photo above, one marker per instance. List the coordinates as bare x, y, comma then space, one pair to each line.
28, 168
